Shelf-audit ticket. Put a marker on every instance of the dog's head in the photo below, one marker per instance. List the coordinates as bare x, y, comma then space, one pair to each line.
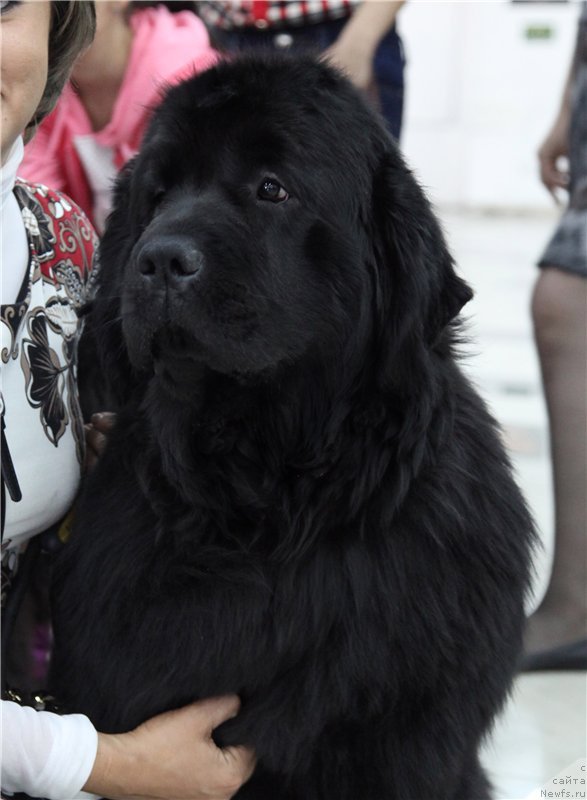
269, 219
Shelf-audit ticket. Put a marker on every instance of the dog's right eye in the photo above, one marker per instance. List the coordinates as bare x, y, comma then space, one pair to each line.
271, 190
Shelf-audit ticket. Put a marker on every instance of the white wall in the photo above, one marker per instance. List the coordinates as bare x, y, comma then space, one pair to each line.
481, 96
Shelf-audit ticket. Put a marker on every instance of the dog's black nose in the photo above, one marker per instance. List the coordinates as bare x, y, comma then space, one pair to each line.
169, 256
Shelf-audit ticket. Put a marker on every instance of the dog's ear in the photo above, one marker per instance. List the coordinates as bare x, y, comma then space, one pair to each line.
419, 292
106, 376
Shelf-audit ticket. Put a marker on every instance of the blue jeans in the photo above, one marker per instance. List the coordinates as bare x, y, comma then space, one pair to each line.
388, 65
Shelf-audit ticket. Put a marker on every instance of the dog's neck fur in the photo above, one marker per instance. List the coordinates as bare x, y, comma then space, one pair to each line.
263, 452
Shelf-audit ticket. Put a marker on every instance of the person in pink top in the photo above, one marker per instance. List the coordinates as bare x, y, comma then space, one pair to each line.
97, 126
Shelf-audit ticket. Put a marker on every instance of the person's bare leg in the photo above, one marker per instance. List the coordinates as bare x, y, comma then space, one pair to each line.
559, 310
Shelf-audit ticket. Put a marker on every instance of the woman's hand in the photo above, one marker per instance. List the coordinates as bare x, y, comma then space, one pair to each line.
172, 757
553, 149
97, 431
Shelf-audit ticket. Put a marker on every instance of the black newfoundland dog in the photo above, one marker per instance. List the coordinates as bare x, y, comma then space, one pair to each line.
304, 500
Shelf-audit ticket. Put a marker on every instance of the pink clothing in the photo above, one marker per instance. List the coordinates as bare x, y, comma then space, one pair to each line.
166, 48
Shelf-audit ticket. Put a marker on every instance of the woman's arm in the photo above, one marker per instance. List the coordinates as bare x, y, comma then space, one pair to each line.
354, 50
43, 754
171, 756
556, 144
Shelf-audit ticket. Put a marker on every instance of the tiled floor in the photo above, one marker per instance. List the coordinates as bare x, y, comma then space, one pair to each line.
542, 731
541, 734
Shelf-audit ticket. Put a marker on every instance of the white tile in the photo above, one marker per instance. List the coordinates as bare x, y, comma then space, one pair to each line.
540, 733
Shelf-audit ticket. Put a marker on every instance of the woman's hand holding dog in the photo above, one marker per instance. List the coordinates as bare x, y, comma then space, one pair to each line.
97, 431
173, 757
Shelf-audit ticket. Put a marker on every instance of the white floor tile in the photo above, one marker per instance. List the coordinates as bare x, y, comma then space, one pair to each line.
541, 733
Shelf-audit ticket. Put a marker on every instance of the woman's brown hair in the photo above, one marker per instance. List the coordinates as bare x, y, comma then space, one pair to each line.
73, 24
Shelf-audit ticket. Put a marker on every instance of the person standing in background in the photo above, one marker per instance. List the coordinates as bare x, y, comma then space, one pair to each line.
358, 37
139, 49
557, 631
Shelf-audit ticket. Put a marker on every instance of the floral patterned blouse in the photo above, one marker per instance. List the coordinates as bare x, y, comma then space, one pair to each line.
38, 347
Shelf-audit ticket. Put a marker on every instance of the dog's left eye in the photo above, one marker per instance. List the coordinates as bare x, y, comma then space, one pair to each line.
271, 190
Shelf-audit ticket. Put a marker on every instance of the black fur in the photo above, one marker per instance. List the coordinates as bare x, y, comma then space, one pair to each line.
304, 500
